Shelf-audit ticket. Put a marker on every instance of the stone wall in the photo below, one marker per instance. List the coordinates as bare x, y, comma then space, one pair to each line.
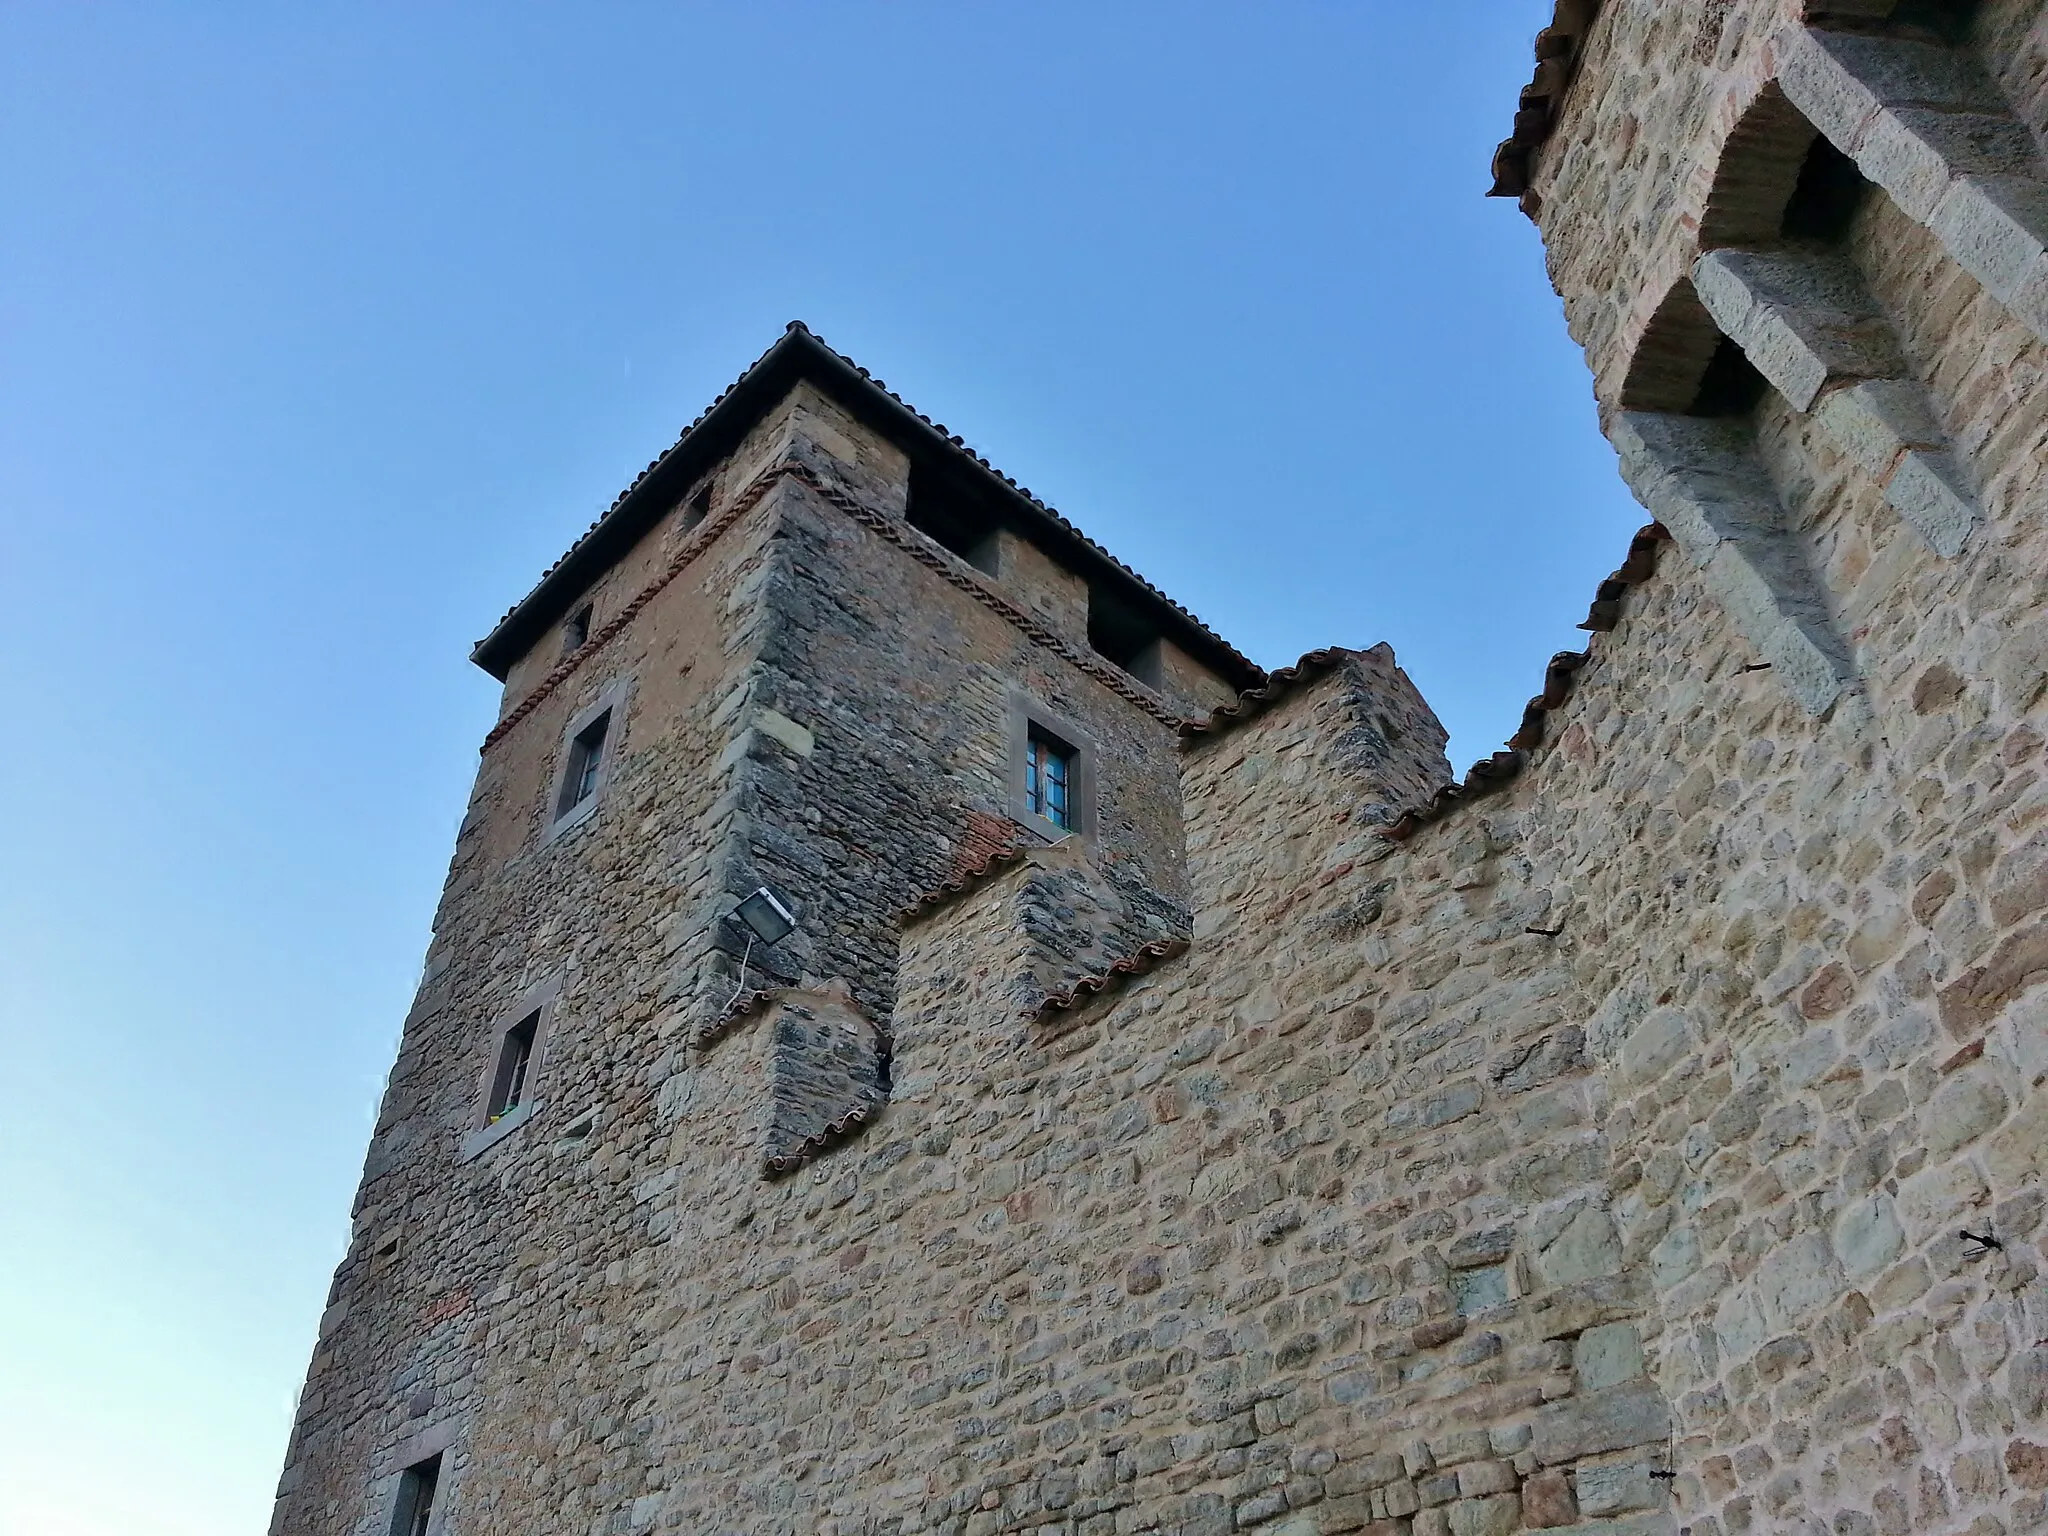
805, 691
1648, 1138
906, 689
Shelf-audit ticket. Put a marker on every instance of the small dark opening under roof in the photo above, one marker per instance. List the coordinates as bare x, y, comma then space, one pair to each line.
1732, 386
1825, 199
1948, 20
1118, 633
957, 499
953, 518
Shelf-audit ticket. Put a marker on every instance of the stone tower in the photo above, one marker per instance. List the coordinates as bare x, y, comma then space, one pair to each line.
1181, 1107
817, 648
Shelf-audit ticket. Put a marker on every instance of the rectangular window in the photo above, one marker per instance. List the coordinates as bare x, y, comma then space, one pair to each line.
515, 1062
1048, 776
586, 756
576, 630
416, 1498
698, 507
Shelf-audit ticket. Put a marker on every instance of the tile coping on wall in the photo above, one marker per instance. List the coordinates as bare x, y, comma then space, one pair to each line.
1491, 773
1088, 988
968, 878
1488, 774
1559, 47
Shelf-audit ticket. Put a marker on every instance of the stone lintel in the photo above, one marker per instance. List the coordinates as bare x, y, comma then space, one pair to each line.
1804, 318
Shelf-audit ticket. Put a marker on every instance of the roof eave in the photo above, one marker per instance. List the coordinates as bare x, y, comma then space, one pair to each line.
1559, 47
799, 355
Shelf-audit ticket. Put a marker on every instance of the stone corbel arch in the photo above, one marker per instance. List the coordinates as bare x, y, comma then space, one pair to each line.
1757, 172
1672, 355
1803, 315
1701, 477
1925, 122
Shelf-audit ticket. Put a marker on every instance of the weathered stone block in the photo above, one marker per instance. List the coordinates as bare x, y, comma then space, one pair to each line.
1463, 1445
1868, 1236
1479, 1478
1655, 1045
1915, 152
1547, 1501
2027, 1380
1435, 1109
1475, 1249
1931, 1201
1964, 1108
1803, 319
1607, 1355
1500, 1515
1875, 420
1618, 1487
1632, 1414
1588, 1247
2019, 963
1839, 80
1575, 1308
1795, 1278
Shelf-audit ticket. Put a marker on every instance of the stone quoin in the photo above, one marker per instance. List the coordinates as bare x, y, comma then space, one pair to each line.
1226, 1119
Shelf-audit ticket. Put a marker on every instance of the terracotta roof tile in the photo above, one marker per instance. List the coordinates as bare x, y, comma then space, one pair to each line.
745, 1004
963, 881
1277, 685
1494, 772
1558, 47
842, 1129
1137, 963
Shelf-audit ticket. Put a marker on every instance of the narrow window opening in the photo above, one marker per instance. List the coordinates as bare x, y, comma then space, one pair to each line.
1148, 665
1947, 20
1048, 778
580, 1128
586, 757
953, 521
1120, 635
698, 507
576, 630
515, 1064
416, 1498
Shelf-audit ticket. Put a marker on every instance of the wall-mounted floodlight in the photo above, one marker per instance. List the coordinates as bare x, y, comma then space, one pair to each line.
765, 917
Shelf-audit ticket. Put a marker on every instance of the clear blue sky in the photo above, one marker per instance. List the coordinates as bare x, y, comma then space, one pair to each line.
325, 327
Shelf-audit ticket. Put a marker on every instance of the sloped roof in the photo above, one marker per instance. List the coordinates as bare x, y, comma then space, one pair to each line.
801, 356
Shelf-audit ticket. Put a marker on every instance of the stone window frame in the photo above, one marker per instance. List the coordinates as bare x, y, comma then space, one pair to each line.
1026, 714
438, 1440
611, 701
540, 1003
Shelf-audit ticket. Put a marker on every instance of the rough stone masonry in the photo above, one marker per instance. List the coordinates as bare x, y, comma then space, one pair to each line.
1643, 1134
